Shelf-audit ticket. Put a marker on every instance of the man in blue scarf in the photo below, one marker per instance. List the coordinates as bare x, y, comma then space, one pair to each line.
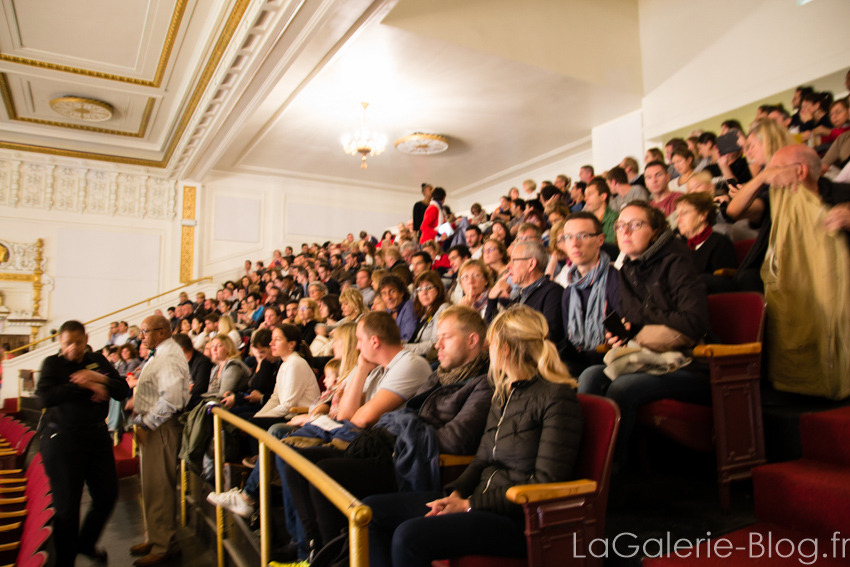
592, 291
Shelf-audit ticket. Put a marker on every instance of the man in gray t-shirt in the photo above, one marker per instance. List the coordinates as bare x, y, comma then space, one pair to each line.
386, 375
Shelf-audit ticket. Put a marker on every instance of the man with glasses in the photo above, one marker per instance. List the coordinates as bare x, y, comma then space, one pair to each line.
526, 269
160, 396
593, 289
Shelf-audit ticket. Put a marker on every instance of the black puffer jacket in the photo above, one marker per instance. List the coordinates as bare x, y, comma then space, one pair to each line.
533, 438
662, 287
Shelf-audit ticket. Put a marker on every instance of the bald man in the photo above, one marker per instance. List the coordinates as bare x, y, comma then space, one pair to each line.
791, 165
160, 396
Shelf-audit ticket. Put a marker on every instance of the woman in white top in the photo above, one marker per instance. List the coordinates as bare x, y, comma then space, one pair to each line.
296, 383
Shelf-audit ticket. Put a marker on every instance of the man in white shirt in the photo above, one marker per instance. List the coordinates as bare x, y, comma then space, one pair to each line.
386, 375
160, 396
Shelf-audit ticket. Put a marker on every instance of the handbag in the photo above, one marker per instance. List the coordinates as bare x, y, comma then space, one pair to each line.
661, 338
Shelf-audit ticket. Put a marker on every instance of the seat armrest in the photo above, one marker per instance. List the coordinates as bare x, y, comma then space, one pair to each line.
298, 410
10, 527
726, 272
525, 493
714, 351
13, 481
14, 514
11, 471
447, 460
603, 348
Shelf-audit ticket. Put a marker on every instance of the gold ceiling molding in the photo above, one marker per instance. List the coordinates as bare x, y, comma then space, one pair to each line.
218, 51
6, 93
165, 55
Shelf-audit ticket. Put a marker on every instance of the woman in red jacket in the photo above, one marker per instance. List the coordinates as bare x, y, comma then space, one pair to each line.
434, 216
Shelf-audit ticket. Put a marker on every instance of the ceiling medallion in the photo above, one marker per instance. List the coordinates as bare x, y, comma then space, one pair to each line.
420, 144
363, 141
82, 108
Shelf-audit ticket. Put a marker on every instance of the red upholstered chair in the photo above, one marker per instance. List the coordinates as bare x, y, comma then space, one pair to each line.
732, 425
561, 515
742, 248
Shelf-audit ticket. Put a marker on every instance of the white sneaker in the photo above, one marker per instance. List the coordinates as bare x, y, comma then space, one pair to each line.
231, 500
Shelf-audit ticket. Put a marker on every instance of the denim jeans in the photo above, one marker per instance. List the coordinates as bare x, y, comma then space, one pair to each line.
252, 489
631, 391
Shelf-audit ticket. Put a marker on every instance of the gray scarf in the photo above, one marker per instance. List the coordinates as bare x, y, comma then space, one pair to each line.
585, 330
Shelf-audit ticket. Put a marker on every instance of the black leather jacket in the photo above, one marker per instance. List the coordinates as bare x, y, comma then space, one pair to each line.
532, 438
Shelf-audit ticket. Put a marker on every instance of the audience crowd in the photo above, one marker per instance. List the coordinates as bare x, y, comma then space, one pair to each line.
382, 347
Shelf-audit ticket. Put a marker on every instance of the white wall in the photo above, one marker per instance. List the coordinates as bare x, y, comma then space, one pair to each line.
99, 263
248, 216
489, 197
617, 139
701, 59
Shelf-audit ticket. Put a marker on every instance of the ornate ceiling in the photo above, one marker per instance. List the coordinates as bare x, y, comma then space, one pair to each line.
268, 86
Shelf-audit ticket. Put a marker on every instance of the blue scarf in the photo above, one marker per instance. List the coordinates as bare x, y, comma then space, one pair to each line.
585, 330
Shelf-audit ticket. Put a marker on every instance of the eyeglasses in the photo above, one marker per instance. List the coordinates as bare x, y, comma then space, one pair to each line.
517, 259
468, 277
629, 226
580, 237
149, 331
491, 249
424, 288
305, 309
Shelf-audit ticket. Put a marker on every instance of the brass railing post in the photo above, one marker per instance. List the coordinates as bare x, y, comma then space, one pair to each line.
184, 482
358, 535
264, 462
359, 515
218, 441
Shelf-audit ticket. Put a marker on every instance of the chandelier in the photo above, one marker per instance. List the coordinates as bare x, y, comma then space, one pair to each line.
363, 141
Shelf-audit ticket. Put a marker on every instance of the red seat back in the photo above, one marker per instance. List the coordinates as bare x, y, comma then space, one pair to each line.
737, 317
742, 248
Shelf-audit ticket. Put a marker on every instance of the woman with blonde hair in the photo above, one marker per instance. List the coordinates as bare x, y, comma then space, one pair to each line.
226, 327
752, 200
307, 318
352, 305
532, 435
229, 375
344, 349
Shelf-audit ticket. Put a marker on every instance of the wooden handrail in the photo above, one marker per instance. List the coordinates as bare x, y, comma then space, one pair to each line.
87, 323
358, 514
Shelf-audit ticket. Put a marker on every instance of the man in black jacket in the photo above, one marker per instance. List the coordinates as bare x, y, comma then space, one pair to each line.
528, 260
199, 369
74, 389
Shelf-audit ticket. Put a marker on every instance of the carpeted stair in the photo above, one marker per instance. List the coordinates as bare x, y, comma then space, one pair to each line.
125, 463
803, 503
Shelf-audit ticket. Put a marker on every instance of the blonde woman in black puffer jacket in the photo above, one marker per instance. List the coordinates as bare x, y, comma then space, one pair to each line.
532, 435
